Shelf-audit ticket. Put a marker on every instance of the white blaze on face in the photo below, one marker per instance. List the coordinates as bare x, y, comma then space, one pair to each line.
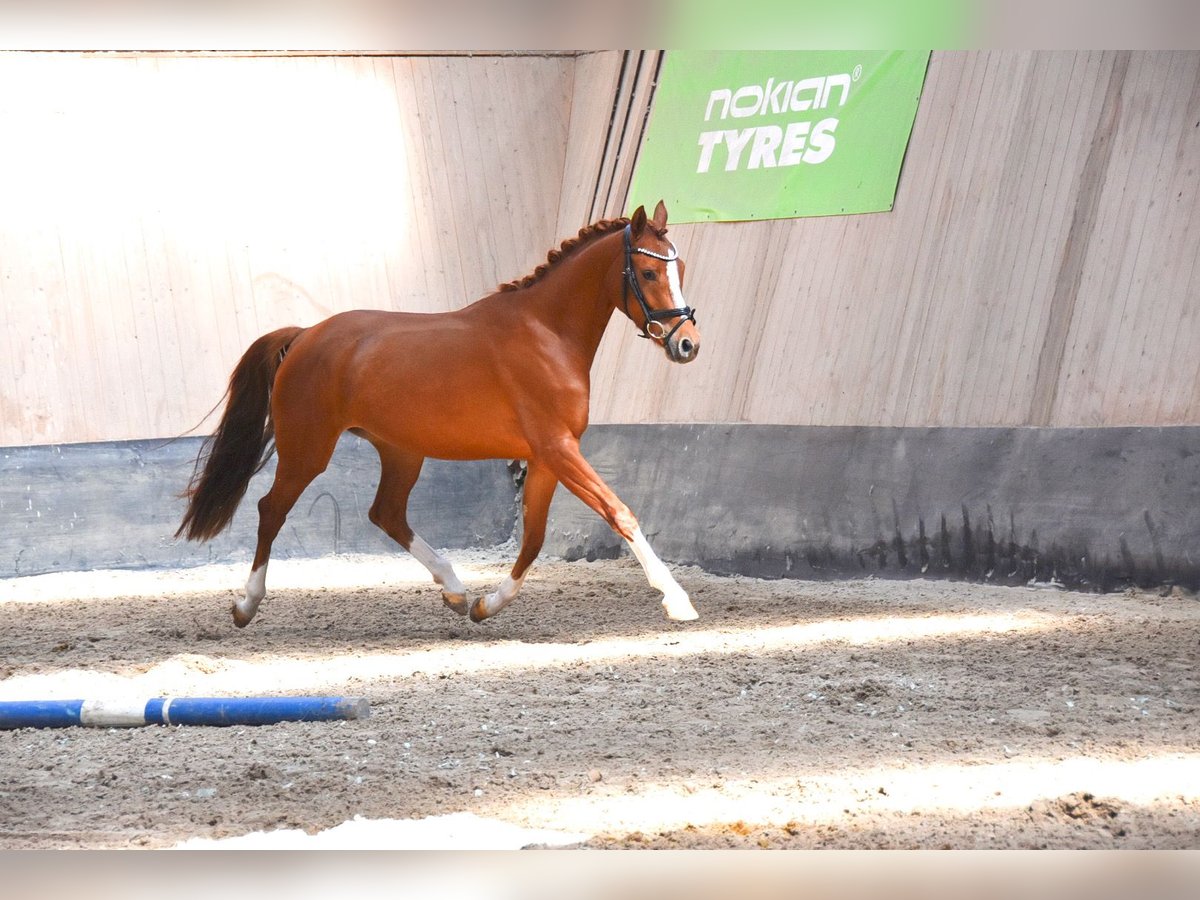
676, 286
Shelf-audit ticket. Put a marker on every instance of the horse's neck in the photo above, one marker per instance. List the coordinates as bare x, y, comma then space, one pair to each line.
575, 298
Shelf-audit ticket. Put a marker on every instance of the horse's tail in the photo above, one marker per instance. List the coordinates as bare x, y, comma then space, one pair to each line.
243, 442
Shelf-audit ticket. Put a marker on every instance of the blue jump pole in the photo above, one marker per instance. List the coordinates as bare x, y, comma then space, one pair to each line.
179, 711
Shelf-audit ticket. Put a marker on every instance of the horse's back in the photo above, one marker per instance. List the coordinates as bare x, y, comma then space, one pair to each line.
426, 381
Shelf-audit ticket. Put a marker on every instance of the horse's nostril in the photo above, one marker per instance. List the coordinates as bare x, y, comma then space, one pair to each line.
685, 347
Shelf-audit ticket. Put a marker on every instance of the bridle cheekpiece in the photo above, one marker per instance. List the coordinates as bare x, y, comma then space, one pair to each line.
653, 327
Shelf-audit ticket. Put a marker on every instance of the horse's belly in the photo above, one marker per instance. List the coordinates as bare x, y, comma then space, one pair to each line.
436, 391
449, 434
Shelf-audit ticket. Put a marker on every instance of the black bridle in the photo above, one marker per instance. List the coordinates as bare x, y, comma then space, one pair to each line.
651, 317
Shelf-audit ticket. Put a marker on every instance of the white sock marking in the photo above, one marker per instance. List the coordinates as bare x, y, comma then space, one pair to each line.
504, 595
439, 567
675, 599
256, 589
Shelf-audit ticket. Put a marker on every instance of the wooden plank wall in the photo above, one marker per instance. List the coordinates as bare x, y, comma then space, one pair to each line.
1039, 268
610, 107
159, 213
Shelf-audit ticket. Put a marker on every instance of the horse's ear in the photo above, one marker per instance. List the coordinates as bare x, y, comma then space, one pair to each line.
638, 221
660, 216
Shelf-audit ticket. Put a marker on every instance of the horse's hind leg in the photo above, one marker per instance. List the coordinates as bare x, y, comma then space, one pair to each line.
399, 470
295, 471
538, 492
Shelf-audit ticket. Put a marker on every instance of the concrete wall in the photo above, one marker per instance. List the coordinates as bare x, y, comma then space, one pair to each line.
117, 505
1088, 508
1094, 508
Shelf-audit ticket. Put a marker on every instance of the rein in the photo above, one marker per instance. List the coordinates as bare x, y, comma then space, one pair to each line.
653, 327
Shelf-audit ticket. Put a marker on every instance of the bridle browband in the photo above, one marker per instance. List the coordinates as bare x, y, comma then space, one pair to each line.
651, 317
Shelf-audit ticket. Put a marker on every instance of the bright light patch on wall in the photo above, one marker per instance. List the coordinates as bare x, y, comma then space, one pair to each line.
308, 158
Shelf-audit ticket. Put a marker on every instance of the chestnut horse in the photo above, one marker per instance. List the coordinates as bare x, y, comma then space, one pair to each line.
506, 377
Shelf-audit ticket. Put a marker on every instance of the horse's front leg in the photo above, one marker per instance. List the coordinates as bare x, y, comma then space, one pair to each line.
569, 466
535, 502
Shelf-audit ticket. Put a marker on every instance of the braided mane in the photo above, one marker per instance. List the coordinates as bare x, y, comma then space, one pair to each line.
586, 235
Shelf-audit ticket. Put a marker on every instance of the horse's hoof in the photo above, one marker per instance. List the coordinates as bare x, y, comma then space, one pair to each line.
456, 602
241, 619
479, 610
680, 609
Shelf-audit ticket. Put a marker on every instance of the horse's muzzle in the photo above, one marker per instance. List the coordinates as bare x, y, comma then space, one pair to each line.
683, 348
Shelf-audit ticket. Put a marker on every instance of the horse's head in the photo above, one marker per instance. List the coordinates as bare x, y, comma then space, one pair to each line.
654, 277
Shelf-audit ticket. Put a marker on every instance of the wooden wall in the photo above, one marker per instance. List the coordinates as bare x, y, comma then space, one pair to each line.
1039, 268
158, 213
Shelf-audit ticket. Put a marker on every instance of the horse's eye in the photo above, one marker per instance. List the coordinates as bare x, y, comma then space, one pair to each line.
649, 274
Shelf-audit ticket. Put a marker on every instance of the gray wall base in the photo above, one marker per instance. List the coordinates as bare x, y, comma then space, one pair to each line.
116, 505
1091, 508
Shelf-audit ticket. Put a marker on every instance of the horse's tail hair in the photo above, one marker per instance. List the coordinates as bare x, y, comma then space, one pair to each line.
243, 442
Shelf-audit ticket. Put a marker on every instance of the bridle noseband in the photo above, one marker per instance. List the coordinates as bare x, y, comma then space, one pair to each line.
652, 318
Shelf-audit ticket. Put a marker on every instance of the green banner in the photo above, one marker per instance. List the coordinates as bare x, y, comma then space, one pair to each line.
779, 134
